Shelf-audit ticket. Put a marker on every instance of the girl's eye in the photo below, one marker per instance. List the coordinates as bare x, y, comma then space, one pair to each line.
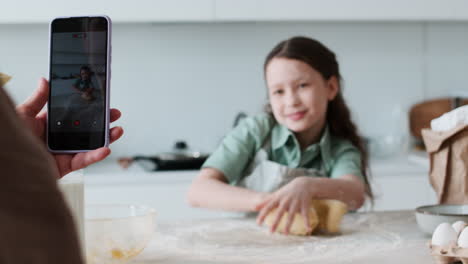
278, 92
302, 85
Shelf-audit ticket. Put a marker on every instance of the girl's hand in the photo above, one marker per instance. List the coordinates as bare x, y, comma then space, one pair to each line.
294, 197
260, 199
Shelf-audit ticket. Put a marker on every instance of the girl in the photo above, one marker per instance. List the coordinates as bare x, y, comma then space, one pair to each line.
306, 146
84, 85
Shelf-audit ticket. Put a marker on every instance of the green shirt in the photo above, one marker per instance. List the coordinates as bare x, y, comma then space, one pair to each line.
83, 85
335, 156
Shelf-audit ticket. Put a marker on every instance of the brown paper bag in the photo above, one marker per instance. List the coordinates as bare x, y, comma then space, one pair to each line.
448, 152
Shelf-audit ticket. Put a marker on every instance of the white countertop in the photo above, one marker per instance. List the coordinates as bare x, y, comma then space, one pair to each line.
397, 183
109, 172
384, 237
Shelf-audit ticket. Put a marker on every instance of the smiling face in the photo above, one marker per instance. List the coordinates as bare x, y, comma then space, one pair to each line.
299, 95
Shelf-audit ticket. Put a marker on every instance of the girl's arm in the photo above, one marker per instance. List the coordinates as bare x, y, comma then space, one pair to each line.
211, 190
74, 87
90, 88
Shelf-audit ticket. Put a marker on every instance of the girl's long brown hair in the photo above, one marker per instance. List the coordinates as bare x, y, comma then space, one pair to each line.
323, 60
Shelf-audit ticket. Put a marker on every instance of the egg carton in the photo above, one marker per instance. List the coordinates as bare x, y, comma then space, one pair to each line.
449, 254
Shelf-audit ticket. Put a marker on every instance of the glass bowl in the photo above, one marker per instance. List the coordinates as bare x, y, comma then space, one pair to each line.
115, 233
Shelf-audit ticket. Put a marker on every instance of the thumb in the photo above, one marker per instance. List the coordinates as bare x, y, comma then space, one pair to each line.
33, 105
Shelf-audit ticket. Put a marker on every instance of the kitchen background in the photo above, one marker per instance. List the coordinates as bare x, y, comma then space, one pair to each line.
184, 69
188, 81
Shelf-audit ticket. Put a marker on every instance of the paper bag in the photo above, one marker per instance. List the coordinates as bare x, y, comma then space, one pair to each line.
448, 174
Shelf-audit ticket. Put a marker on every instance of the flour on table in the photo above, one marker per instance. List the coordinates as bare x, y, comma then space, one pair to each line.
241, 240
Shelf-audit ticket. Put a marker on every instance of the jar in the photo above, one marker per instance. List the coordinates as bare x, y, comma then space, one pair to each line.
72, 188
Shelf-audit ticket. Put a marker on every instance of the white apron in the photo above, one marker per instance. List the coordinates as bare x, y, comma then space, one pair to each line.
264, 175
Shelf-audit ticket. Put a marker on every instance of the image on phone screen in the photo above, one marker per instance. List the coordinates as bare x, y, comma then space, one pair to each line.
78, 79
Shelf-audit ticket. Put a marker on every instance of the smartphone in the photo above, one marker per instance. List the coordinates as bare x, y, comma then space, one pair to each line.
79, 79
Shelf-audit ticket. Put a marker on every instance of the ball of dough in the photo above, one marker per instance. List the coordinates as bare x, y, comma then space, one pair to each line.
298, 226
330, 213
324, 215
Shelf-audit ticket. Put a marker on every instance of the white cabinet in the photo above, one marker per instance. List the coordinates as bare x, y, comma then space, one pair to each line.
401, 183
167, 199
164, 191
402, 192
30, 11
344, 10
397, 184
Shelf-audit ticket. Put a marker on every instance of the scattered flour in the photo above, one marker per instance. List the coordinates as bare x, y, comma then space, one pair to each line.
241, 240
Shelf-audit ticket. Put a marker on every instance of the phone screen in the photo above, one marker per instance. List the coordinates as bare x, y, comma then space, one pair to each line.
78, 84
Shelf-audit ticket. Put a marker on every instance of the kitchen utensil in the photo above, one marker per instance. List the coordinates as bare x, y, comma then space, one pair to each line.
116, 233
421, 114
168, 162
180, 159
386, 146
430, 216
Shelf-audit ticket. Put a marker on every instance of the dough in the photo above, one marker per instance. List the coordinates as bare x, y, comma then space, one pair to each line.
330, 213
325, 215
298, 226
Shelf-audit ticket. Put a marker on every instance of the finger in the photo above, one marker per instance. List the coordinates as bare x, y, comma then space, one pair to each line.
42, 115
115, 133
305, 208
279, 215
82, 160
37, 100
63, 163
115, 114
292, 213
266, 209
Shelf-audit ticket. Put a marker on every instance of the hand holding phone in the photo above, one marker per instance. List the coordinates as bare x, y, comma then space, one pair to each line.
78, 109
30, 113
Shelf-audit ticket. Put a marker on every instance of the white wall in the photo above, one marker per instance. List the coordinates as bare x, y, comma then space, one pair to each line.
188, 81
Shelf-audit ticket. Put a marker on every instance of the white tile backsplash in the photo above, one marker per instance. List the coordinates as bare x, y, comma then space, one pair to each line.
188, 81
447, 60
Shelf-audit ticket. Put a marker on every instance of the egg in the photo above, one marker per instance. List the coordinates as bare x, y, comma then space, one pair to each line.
458, 226
463, 238
444, 235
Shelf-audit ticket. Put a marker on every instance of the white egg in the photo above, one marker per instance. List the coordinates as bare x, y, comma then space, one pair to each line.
444, 235
458, 226
463, 238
